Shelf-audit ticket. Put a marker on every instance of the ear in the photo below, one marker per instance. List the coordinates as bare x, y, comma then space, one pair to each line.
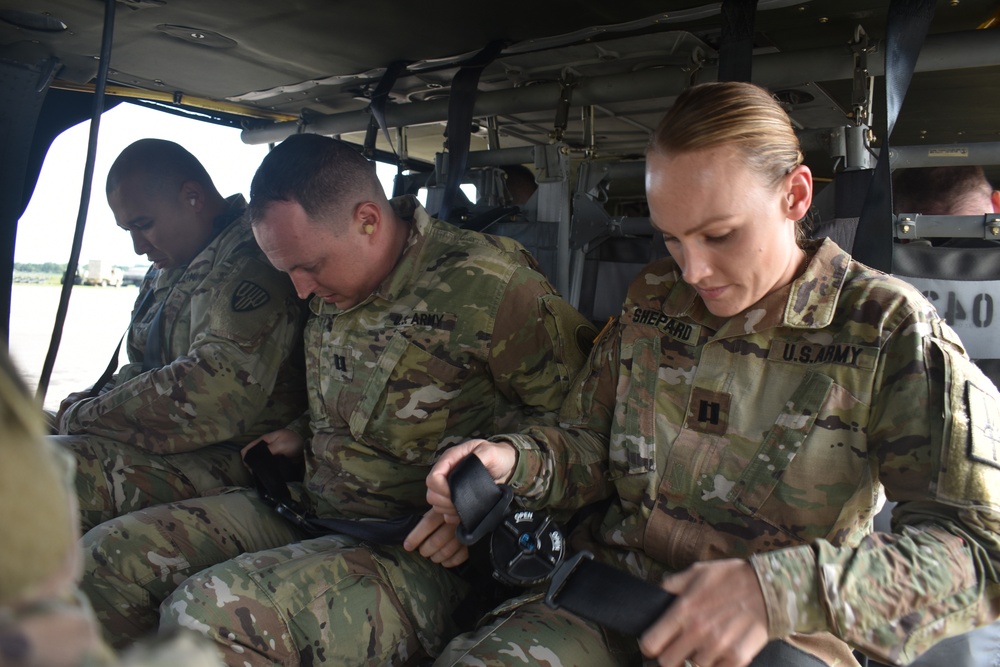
995, 200
192, 196
798, 192
367, 218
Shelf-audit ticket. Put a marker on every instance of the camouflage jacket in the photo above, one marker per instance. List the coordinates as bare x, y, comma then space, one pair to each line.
462, 339
767, 435
230, 328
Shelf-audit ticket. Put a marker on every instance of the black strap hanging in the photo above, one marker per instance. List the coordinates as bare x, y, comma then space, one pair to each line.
96, 388
377, 108
461, 101
736, 45
906, 28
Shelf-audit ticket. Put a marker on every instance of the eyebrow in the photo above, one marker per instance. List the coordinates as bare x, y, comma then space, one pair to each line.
707, 223
305, 266
129, 224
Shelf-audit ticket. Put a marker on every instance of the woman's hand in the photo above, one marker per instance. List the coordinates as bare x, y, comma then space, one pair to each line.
718, 619
499, 458
437, 541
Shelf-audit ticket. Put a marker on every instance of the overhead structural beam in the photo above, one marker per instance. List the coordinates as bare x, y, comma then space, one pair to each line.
961, 50
900, 157
945, 155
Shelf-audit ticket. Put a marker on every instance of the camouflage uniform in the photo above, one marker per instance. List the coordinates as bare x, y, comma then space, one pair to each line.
44, 621
463, 338
766, 436
171, 428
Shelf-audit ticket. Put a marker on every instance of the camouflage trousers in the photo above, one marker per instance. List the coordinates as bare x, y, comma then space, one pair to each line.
525, 631
231, 568
114, 478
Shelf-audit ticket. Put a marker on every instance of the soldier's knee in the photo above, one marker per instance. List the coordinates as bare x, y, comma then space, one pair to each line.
116, 546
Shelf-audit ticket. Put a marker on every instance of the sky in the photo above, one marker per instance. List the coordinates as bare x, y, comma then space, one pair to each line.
45, 231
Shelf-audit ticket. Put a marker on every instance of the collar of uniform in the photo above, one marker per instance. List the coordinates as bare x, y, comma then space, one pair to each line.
409, 210
812, 298
411, 261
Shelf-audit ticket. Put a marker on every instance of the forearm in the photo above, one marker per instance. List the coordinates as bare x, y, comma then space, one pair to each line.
558, 468
192, 402
887, 597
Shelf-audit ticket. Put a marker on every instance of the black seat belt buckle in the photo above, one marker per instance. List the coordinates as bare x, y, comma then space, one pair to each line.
562, 574
291, 514
526, 548
489, 522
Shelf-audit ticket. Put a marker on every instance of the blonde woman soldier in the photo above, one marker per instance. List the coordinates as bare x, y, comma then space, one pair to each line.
741, 415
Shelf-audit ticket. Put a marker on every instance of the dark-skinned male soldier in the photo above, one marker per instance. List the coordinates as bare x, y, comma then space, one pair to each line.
213, 347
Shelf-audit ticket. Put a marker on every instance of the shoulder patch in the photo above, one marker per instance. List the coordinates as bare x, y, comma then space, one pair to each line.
249, 296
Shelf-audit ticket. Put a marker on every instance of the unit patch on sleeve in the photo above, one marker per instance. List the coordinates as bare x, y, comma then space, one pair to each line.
249, 296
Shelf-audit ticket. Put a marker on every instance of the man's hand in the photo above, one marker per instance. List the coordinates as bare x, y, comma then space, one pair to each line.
498, 457
436, 540
718, 619
283, 442
69, 402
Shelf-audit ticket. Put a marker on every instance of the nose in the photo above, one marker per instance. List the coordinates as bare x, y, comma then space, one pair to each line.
139, 243
304, 285
695, 264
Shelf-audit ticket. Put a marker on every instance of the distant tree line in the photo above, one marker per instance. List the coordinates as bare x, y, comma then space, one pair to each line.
46, 267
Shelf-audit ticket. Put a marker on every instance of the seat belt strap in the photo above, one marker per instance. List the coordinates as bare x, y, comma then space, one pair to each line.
96, 388
594, 591
152, 355
736, 44
906, 27
376, 107
479, 501
271, 487
461, 101
606, 595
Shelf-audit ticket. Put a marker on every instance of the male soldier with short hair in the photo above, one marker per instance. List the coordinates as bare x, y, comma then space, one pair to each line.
211, 346
421, 335
961, 190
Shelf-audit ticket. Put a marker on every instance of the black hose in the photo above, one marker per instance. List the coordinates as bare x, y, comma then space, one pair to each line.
81, 217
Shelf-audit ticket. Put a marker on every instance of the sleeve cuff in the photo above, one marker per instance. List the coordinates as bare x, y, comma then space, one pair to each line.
526, 480
789, 580
301, 427
69, 423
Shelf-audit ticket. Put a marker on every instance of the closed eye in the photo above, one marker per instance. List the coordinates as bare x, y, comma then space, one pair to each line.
719, 239
139, 226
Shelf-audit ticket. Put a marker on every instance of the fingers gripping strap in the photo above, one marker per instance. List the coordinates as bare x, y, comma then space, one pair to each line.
479, 501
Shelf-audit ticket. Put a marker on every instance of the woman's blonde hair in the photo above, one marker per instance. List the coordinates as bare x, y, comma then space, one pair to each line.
733, 113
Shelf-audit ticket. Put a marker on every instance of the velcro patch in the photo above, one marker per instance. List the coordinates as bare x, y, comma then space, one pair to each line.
249, 296
798, 352
671, 326
983, 426
708, 411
